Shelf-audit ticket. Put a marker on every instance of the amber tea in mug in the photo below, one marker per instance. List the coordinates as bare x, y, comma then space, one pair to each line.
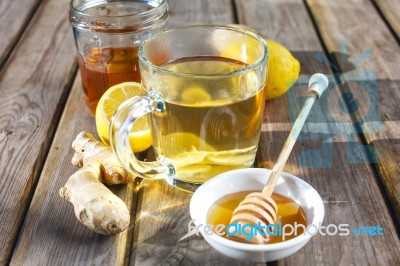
209, 127
205, 93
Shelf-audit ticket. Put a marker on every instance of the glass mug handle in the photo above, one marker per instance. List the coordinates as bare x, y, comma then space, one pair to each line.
120, 127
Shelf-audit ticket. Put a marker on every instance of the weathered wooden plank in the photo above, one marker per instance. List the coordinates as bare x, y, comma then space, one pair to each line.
357, 38
391, 10
199, 12
329, 154
371, 76
14, 16
51, 234
34, 85
389, 150
368, 59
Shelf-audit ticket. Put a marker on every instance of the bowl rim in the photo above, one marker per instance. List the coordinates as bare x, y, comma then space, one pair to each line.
318, 218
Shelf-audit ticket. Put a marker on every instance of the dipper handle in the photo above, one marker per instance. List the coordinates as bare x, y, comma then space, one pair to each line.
316, 86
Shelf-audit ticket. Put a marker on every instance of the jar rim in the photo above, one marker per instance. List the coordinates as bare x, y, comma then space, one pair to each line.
80, 19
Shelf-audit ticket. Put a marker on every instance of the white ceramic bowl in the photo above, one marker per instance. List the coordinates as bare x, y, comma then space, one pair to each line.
254, 179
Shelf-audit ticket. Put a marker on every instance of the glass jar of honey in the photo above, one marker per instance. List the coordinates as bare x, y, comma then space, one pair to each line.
107, 36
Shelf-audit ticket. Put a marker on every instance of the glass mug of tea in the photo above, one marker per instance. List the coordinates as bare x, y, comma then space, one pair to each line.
107, 36
205, 94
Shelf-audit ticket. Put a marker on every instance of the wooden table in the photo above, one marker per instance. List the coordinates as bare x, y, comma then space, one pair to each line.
348, 152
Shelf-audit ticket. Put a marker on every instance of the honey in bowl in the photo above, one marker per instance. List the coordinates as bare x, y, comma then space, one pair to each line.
289, 213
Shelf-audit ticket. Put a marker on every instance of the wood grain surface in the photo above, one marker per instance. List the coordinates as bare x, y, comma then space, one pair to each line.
391, 11
200, 12
389, 150
34, 86
14, 17
369, 64
367, 59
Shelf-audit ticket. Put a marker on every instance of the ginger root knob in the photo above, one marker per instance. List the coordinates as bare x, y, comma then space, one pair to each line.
89, 150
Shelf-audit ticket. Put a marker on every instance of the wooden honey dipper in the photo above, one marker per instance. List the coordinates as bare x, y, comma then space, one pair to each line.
259, 207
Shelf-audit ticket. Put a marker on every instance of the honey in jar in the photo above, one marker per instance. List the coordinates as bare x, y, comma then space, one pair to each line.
102, 68
107, 36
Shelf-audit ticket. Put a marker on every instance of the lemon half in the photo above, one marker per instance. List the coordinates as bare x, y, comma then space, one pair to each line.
140, 136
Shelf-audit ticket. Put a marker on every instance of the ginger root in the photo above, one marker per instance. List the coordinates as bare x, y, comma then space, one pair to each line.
89, 150
94, 204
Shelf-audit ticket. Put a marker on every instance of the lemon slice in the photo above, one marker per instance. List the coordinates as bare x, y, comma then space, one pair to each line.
235, 157
140, 137
194, 173
195, 94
